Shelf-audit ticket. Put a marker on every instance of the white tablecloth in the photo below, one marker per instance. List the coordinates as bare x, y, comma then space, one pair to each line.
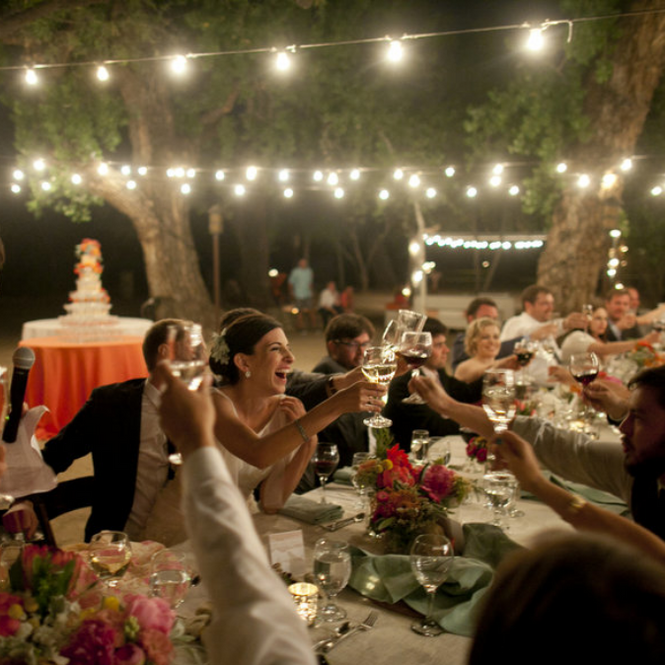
129, 326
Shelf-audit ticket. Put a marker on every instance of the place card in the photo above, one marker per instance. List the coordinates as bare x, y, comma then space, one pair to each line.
288, 550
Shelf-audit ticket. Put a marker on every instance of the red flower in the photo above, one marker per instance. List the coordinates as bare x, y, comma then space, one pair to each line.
130, 654
438, 482
92, 644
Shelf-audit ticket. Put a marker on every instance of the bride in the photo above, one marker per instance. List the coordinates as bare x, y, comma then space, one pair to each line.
267, 437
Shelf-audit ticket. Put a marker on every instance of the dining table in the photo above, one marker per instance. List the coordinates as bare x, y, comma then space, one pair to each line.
391, 640
65, 373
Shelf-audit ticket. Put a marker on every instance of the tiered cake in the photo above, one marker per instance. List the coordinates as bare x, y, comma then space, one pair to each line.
88, 317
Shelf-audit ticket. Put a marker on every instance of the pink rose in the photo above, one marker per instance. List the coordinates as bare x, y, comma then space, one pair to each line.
130, 654
151, 613
8, 626
438, 482
157, 646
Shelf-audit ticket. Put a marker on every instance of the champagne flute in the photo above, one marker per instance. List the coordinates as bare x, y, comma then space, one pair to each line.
379, 366
332, 570
109, 554
431, 559
170, 578
326, 459
499, 397
415, 348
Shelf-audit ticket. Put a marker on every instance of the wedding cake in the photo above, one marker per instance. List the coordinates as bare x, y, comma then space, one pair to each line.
88, 317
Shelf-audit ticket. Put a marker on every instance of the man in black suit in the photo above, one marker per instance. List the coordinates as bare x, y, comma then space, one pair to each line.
119, 426
407, 417
621, 322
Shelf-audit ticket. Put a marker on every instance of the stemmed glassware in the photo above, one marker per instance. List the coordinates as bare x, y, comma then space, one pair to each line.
587, 310
379, 366
419, 444
415, 348
332, 570
170, 578
525, 352
110, 553
360, 483
584, 368
431, 559
406, 321
326, 459
499, 397
499, 487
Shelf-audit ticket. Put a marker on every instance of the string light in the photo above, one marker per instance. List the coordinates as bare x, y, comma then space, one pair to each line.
414, 247
609, 180
318, 176
219, 175
186, 188
239, 190
450, 171
288, 193
395, 51
561, 167
430, 193
414, 181
355, 174
657, 190
384, 194
535, 40
16, 188
179, 64
471, 192
46, 186
18, 174
103, 168
126, 169
495, 180
76, 179
398, 174
333, 179
583, 181
626, 164
142, 170
283, 175
39, 164
339, 193
282, 62
131, 184
615, 233
514, 190
191, 173
31, 77
103, 73
498, 169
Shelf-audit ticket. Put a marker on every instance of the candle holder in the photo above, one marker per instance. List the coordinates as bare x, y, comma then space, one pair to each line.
305, 597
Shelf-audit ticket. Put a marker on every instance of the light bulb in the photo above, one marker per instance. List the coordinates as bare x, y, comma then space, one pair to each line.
282, 61
355, 174
283, 175
186, 188
239, 190
76, 179
535, 41
430, 193
398, 174
103, 73
288, 193
561, 167
339, 193
395, 51
251, 173
18, 174
450, 171
583, 181
219, 175
471, 192
179, 64
131, 184
31, 77
384, 194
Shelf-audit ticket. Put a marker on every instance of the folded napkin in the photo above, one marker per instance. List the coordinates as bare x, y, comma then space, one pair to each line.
599, 497
343, 476
309, 511
389, 578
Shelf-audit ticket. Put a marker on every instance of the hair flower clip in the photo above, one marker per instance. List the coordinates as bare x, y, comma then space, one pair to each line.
220, 349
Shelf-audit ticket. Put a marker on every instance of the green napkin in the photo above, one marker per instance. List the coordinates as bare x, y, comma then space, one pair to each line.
599, 497
389, 579
343, 476
309, 511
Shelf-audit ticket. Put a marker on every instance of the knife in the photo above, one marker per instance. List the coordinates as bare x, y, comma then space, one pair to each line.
345, 522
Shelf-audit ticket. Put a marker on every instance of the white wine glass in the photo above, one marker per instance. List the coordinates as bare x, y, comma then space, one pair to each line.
326, 459
415, 348
170, 577
110, 553
379, 366
431, 560
332, 570
499, 397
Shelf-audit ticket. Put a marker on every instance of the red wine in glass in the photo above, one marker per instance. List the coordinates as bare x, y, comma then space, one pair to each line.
415, 358
524, 357
585, 376
324, 468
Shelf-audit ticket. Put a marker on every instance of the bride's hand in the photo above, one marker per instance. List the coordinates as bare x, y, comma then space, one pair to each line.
292, 407
360, 397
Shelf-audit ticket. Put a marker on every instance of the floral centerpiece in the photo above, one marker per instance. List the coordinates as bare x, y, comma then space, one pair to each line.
476, 449
642, 356
54, 612
409, 500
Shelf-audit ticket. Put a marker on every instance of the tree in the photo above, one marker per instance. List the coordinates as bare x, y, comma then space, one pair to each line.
589, 110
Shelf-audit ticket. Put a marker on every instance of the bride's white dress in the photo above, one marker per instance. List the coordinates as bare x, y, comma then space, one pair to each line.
166, 523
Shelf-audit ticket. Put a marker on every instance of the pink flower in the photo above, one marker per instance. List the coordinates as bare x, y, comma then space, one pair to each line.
157, 645
92, 644
438, 482
130, 654
8, 626
151, 613
481, 455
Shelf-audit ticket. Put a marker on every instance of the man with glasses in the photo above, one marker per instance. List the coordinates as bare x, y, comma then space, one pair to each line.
347, 337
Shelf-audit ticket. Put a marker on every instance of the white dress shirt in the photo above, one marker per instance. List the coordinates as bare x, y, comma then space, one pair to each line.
254, 618
153, 464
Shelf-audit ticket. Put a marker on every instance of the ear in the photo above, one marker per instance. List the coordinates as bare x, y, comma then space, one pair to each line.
163, 352
331, 346
240, 361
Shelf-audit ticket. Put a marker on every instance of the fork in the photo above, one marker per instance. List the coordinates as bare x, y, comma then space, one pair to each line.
367, 624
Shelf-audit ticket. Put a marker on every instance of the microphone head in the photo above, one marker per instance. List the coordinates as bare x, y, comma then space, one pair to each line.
23, 358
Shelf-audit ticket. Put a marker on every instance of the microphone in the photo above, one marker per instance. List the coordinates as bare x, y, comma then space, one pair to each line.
23, 359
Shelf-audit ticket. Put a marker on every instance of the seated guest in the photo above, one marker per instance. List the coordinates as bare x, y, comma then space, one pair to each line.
329, 303
479, 308
118, 425
573, 598
407, 417
245, 592
267, 437
580, 341
347, 337
622, 322
482, 345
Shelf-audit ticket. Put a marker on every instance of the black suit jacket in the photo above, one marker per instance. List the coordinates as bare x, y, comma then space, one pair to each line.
109, 427
628, 334
407, 417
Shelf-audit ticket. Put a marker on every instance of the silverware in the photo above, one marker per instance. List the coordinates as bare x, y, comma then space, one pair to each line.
339, 631
339, 524
367, 624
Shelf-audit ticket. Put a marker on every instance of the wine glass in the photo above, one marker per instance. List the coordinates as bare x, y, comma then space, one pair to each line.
187, 353
326, 459
109, 554
379, 366
170, 578
431, 559
525, 351
499, 487
360, 483
411, 321
415, 348
587, 310
419, 444
332, 570
499, 397
584, 367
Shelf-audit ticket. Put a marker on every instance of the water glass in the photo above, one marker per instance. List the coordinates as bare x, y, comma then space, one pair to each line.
332, 570
419, 445
170, 577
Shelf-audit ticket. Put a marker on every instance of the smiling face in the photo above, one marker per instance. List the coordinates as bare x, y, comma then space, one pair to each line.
643, 434
487, 342
439, 353
349, 352
617, 306
269, 364
541, 308
598, 323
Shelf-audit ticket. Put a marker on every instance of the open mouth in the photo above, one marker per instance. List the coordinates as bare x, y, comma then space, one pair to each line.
282, 374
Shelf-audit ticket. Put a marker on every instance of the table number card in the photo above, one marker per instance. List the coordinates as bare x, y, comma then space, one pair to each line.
288, 550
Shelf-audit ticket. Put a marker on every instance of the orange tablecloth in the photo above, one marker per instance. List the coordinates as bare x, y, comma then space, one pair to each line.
64, 374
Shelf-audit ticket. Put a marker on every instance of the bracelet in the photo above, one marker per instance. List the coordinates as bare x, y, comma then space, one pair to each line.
305, 438
576, 504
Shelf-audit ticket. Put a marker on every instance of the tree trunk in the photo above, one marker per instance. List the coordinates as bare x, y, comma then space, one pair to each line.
577, 244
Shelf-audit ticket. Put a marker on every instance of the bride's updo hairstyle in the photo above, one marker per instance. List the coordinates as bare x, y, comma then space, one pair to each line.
239, 335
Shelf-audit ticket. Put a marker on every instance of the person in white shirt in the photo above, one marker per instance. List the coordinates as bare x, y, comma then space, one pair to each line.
254, 618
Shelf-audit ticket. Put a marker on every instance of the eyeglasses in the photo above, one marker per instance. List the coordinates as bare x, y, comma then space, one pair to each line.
353, 345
